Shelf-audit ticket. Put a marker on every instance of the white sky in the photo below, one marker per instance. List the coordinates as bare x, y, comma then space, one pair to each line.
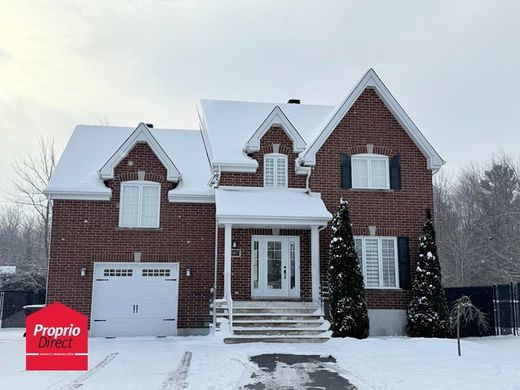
453, 65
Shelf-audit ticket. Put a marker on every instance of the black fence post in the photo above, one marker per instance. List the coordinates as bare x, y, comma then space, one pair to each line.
496, 307
513, 309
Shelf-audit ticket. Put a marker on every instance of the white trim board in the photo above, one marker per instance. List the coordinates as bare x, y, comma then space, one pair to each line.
140, 134
276, 118
372, 80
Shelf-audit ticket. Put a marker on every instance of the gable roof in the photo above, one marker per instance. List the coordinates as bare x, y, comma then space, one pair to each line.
90, 147
372, 80
276, 118
229, 125
140, 134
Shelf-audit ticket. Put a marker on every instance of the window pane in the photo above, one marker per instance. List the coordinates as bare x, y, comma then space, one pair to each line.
388, 253
269, 171
150, 206
292, 258
379, 173
281, 174
129, 205
360, 173
256, 258
274, 265
372, 262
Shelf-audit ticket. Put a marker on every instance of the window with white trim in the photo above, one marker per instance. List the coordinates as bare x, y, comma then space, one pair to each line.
275, 170
379, 261
370, 171
139, 205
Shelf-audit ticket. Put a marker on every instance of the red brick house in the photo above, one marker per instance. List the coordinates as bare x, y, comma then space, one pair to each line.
154, 227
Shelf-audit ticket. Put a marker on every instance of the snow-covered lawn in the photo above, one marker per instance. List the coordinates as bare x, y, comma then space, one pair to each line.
206, 363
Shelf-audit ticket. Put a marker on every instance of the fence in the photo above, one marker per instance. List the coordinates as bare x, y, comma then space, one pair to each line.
500, 303
12, 303
506, 299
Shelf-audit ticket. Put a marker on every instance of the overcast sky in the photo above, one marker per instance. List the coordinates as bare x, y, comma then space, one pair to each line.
453, 65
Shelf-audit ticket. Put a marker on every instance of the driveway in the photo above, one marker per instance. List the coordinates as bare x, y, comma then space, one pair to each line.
287, 372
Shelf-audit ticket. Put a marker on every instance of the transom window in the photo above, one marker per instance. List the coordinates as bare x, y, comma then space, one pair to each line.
139, 204
370, 171
378, 257
275, 170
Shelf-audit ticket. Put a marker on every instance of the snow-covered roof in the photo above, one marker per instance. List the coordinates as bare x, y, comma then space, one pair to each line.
262, 206
232, 128
229, 125
90, 147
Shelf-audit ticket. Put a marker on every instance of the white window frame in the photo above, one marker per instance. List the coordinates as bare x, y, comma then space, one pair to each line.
380, 260
141, 184
276, 156
369, 158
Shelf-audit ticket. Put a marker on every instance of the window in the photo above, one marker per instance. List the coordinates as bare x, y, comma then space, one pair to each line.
370, 171
139, 204
275, 170
378, 258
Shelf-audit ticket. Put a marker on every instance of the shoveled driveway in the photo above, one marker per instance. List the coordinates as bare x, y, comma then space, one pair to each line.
286, 371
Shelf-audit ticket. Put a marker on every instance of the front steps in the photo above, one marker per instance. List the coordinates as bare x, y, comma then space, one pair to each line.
273, 322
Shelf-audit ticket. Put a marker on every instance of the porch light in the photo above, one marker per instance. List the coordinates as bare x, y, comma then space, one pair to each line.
234, 244
188, 272
83, 272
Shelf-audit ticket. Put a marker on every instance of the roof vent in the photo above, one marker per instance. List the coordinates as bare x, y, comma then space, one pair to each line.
149, 125
293, 101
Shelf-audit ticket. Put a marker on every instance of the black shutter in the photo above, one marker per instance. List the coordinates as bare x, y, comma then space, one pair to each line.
404, 262
395, 172
346, 171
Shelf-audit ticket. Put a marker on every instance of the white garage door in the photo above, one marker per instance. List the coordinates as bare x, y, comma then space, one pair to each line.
134, 299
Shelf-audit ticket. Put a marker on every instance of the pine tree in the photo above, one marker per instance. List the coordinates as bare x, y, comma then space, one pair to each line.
348, 305
428, 311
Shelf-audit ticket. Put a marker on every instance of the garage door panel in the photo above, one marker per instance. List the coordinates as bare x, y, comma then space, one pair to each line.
135, 299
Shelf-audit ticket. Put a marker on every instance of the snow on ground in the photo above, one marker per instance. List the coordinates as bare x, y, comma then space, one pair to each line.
206, 363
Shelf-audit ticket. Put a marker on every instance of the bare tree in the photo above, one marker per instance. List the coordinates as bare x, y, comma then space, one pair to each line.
464, 312
104, 120
31, 176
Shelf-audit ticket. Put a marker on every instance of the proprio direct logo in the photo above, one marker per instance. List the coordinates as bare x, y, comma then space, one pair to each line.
57, 339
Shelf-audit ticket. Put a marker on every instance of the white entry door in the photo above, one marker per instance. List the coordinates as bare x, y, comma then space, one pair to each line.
275, 266
134, 299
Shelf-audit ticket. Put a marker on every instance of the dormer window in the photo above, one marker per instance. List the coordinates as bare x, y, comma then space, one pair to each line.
275, 170
139, 204
370, 171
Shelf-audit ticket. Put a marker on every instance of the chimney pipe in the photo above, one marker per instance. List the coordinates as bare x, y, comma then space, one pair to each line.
293, 101
149, 125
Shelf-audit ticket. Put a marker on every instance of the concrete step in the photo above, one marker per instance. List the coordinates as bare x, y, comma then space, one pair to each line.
260, 331
273, 303
274, 309
278, 323
274, 316
275, 339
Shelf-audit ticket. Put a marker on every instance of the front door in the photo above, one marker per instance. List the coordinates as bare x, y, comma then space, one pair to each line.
275, 266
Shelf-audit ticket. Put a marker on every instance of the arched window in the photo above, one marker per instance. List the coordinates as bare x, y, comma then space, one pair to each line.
275, 170
370, 171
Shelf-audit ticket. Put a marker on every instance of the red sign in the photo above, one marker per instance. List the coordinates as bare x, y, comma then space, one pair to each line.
57, 339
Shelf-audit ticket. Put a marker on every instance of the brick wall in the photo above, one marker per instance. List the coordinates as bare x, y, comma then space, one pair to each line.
87, 231
394, 213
